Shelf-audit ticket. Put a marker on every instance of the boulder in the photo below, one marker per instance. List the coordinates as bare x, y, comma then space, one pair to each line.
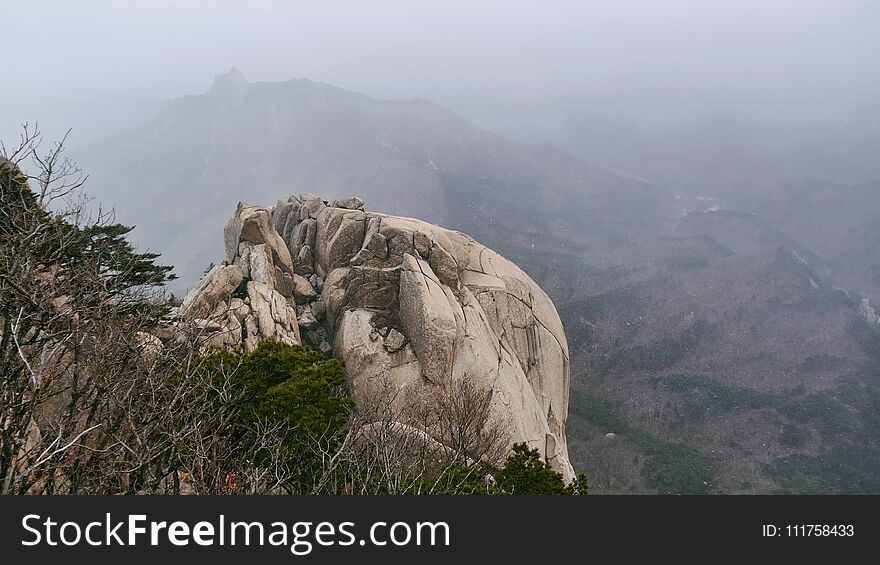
422, 244
304, 233
253, 225
340, 235
378, 246
276, 318
216, 287
394, 341
444, 265
427, 318
281, 214
312, 205
303, 290
350, 203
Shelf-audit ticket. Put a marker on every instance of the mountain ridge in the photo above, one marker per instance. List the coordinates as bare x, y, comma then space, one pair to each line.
402, 155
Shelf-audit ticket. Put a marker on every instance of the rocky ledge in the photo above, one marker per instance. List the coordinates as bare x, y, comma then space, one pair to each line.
402, 302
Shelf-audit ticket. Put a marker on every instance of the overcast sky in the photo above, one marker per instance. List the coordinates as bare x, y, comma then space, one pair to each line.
512, 66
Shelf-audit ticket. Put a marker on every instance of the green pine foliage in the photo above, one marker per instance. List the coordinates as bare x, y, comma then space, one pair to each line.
526, 473
300, 387
467, 480
290, 388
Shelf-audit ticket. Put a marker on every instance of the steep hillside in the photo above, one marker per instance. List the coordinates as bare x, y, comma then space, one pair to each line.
723, 366
837, 222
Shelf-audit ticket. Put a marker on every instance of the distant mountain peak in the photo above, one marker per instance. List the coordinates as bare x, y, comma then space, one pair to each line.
232, 79
229, 89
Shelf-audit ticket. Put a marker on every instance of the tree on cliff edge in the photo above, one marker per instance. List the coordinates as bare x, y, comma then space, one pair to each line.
75, 302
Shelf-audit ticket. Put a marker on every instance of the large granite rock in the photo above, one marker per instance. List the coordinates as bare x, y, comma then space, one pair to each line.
427, 318
250, 298
216, 287
403, 302
253, 225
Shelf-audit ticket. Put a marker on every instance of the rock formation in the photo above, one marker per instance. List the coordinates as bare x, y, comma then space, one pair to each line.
400, 301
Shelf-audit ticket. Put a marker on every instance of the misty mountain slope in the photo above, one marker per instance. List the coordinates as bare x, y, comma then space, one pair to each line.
720, 359
838, 222
177, 177
725, 363
812, 173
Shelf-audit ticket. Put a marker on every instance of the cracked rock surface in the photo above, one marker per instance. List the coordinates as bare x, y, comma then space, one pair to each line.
401, 301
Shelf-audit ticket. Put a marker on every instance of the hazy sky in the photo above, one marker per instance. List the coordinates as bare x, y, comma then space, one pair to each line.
711, 97
518, 67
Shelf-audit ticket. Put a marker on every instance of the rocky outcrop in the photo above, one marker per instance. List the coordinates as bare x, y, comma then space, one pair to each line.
251, 298
403, 302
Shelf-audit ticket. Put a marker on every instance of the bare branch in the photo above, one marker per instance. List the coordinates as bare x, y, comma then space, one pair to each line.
49, 452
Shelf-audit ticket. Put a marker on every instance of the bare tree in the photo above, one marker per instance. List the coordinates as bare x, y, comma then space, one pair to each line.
74, 297
466, 427
408, 446
199, 444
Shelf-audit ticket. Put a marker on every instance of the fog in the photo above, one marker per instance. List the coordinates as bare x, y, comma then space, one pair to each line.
603, 78
694, 184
